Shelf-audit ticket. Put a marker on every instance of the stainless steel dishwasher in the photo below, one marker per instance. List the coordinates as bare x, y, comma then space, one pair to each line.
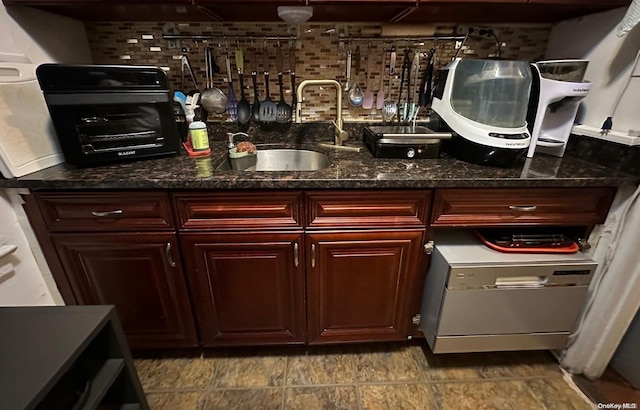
478, 299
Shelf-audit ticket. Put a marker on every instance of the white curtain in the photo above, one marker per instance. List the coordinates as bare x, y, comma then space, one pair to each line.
615, 291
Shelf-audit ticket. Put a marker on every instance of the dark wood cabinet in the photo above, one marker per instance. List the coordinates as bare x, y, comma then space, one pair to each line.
139, 273
272, 266
521, 206
359, 284
248, 287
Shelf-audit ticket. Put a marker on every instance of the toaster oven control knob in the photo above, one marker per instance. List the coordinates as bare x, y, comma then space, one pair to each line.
411, 153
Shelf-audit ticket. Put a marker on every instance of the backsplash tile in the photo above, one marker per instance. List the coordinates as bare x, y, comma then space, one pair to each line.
319, 55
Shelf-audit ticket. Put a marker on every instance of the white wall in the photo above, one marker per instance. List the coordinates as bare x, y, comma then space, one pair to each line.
42, 37
610, 62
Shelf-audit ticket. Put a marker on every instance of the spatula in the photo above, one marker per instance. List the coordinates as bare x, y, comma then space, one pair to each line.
367, 99
268, 109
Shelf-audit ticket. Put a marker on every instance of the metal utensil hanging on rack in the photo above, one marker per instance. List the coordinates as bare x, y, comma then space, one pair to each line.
268, 108
244, 108
255, 108
380, 93
405, 66
348, 73
415, 67
367, 97
390, 108
292, 72
232, 104
212, 99
356, 95
184, 62
424, 98
283, 110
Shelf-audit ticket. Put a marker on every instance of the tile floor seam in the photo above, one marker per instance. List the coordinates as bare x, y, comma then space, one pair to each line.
357, 387
210, 389
284, 381
177, 390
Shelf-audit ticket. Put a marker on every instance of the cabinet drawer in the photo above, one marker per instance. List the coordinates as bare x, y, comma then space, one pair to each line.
105, 211
361, 209
234, 210
521, 206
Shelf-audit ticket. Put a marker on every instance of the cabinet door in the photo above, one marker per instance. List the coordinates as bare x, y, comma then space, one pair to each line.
359, 284
248, 287
139, 273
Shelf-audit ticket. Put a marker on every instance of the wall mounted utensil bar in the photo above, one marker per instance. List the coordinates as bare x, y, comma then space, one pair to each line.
388, 39
201, 37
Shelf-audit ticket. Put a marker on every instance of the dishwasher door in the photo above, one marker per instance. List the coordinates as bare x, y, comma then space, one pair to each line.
510, 311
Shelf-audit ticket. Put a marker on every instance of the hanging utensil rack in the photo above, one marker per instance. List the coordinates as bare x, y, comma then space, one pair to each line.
387, 39
222, 38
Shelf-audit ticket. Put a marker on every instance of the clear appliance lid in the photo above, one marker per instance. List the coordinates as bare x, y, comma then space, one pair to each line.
492, 92
563, 70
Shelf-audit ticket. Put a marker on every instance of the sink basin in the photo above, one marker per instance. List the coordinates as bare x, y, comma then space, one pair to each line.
278, 160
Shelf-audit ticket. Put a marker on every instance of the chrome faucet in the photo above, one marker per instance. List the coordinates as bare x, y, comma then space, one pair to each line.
340, 135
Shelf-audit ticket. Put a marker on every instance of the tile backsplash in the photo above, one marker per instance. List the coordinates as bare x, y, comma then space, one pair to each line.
319, 54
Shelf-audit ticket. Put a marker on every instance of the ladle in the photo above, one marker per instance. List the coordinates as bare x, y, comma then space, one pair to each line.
356, 95
212, 98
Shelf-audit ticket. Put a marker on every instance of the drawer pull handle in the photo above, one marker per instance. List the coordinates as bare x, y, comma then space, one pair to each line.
167, 250
313, 255
296, 261
523, 208
107, 213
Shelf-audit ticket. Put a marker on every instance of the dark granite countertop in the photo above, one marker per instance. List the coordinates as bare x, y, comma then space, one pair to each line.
347, 169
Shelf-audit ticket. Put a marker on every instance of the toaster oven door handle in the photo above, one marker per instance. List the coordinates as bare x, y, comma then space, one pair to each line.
88, 148
107, 213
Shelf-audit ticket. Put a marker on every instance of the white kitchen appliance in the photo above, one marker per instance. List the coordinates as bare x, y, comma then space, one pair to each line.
477, 299
484, 103
556, 92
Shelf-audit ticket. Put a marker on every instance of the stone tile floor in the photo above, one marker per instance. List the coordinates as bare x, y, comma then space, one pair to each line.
380, 376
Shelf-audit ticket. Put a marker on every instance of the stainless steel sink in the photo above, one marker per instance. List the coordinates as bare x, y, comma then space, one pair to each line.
279, 160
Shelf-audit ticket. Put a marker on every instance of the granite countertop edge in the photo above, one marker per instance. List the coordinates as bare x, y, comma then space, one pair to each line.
347, 170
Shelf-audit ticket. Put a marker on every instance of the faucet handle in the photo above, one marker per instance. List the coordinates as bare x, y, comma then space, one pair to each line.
231, 135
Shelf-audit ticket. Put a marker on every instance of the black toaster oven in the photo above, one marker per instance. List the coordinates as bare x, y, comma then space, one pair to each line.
104, 114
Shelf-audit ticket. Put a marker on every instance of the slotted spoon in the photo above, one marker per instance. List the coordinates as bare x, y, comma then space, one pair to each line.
390, 108
268, 109
283, 113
